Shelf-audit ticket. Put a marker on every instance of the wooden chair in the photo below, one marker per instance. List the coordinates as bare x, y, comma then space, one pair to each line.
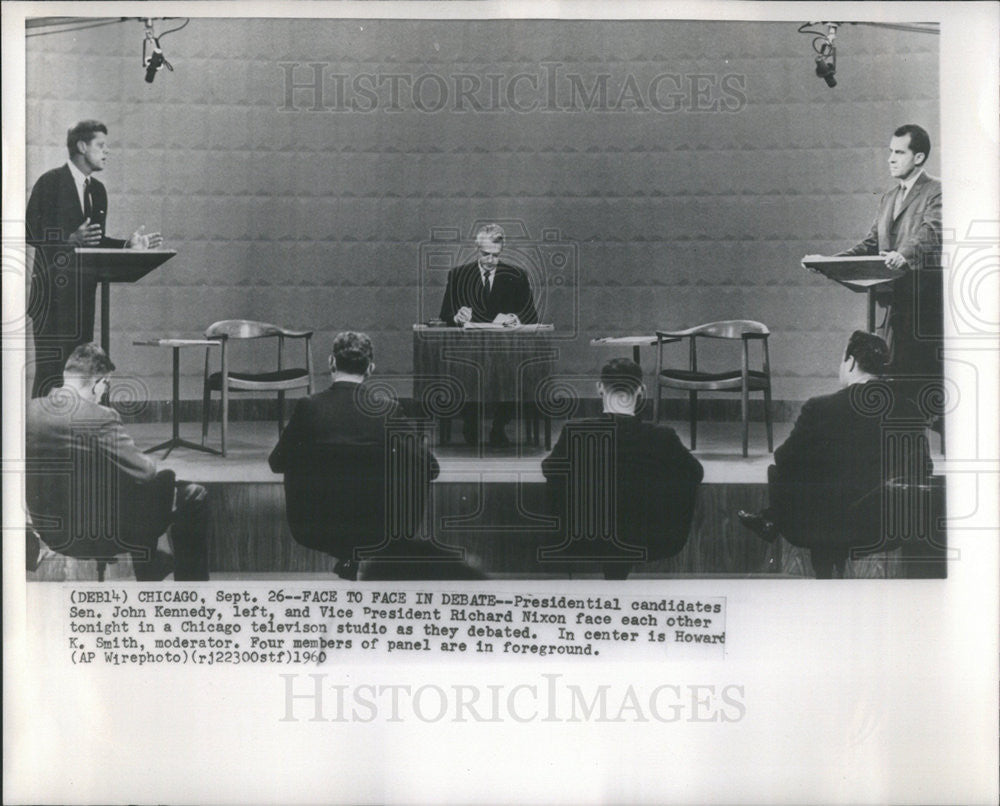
742, 380
279, 380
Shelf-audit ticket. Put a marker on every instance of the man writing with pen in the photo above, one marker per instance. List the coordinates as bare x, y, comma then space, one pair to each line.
68, 209
487, 290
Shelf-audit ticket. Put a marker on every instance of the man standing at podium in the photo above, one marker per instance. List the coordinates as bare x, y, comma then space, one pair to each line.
487, 290
907, 234
68, 209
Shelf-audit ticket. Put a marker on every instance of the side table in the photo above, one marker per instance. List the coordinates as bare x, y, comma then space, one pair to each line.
175, 440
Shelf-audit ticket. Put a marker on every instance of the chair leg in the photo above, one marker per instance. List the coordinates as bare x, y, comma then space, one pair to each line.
548, 432
745, 405
656, 403
767, 419
693, 418
281, 411
225, 413
206, 403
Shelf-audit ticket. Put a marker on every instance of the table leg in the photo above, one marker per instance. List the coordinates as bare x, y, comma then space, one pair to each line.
106, 316
175, 410
175, 416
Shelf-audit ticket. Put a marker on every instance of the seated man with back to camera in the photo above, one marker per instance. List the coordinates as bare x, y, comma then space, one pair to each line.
488, 290
92, 494
825, 484
343, 455
655, 477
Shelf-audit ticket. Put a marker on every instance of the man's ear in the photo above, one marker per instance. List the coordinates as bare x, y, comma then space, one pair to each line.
371, 368
333, 364
920, 158
600, 389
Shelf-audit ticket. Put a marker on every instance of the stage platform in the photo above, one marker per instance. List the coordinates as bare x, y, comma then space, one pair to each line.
491, 504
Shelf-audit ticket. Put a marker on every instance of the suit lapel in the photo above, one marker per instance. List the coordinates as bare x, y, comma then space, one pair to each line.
914, 191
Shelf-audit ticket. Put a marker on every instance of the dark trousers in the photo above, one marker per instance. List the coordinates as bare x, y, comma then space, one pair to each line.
503, 413
138, 516
182, 510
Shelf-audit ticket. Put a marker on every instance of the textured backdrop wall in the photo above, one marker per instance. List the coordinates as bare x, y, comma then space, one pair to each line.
317, 173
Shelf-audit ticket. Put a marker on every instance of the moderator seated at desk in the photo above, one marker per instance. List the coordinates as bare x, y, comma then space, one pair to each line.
486, 290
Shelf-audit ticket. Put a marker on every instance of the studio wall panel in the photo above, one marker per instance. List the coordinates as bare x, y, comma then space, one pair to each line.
684, 204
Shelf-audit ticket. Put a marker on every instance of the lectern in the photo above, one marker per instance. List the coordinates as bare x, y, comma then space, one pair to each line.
859, 273
117, 266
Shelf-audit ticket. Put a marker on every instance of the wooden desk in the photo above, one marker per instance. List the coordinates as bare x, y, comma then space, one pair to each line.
452, 366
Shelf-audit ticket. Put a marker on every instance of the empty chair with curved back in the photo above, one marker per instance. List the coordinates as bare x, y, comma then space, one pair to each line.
741, 380
280, 380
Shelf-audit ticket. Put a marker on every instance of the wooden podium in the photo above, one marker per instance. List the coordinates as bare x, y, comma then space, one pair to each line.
483, 365
860, 273
117, 266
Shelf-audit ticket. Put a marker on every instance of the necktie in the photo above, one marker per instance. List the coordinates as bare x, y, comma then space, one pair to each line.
487, 282
88, 200
897, 205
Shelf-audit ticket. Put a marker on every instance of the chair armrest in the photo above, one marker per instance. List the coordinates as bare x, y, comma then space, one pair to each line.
295, 334
667, 336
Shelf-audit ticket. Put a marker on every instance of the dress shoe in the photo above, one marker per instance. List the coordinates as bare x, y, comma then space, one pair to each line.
156, 569
759, 524
346, 569
32, 549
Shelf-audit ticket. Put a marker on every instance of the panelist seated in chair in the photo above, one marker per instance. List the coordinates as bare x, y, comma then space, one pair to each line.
92, 495
357, 473
825, 486
488, 290
654, 476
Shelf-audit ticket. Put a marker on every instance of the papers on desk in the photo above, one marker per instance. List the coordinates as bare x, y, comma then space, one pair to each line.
501, 328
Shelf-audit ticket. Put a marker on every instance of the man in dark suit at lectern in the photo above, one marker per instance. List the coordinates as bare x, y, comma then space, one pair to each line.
487, 290
907, 233
67, 209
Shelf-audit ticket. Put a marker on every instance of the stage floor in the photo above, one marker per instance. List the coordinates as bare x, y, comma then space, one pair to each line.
719, 451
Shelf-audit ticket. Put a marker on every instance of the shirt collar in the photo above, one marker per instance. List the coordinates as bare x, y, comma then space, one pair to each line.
78, 176
78, 179
907, 184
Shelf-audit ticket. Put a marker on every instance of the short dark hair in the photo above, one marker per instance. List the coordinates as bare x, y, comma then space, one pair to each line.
920, 140
621, 375
88, 361
352, 352
83, 132
869, 351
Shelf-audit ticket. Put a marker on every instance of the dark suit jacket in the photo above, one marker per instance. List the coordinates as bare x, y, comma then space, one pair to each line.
345, 467
62, 303
83, 477
511, 293
915, 233
834, 460
655, 480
